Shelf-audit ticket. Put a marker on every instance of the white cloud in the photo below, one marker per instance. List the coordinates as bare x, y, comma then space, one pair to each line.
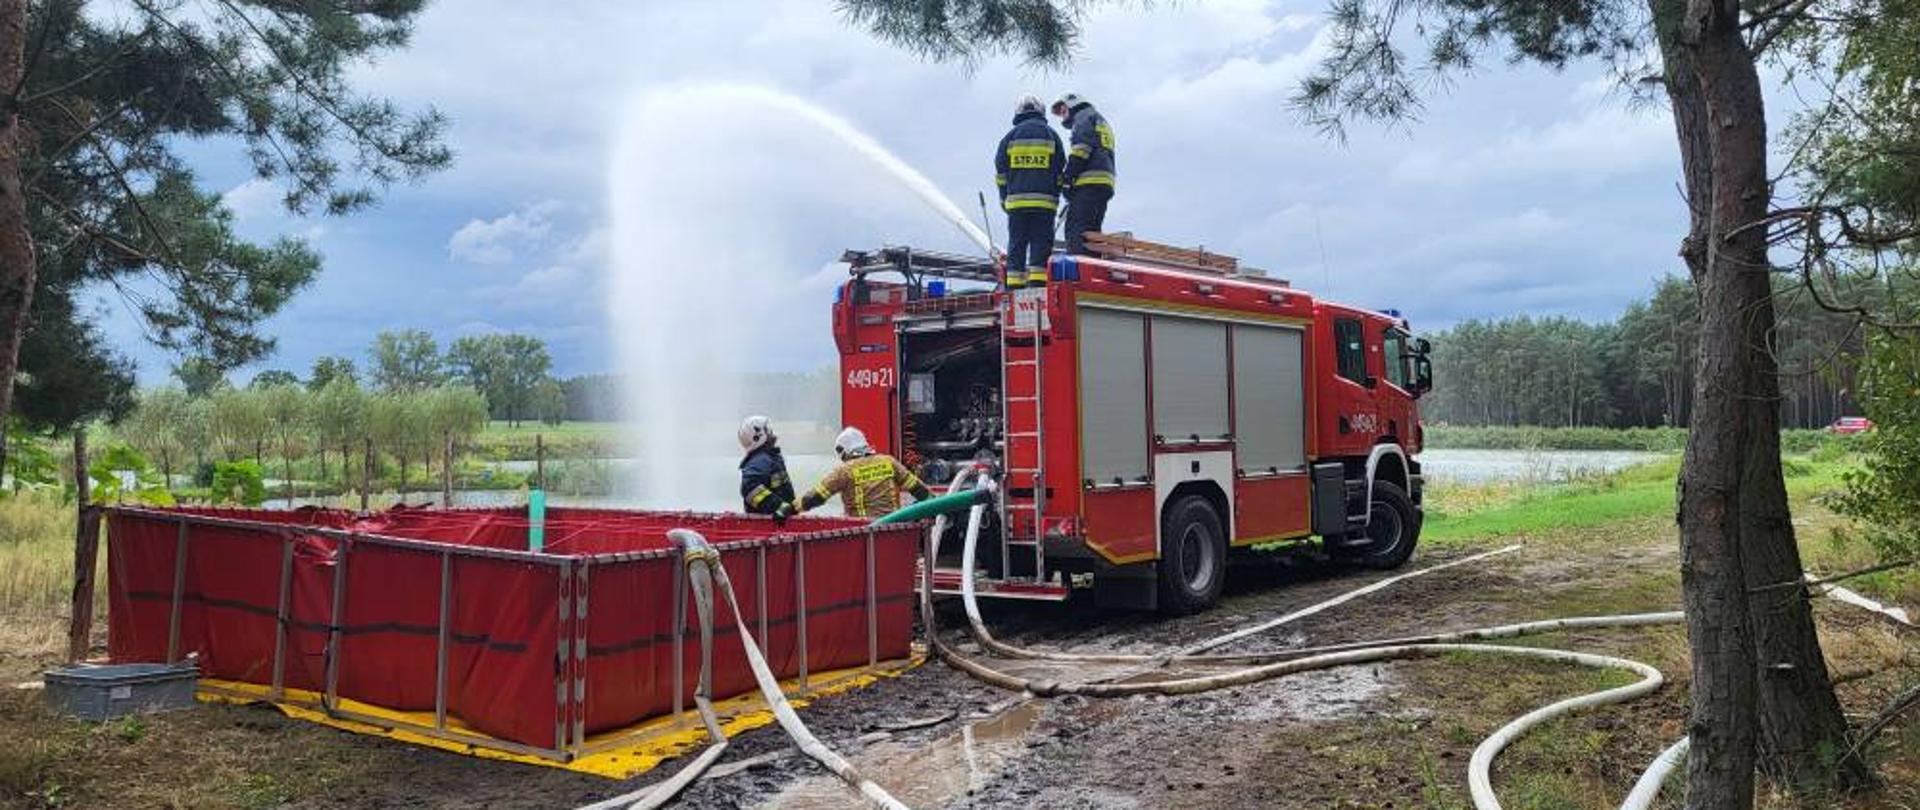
254, 199
499, 240
1607, 139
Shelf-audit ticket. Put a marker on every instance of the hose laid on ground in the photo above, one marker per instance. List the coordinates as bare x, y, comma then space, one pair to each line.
1648, 787
1479, 766
704, 571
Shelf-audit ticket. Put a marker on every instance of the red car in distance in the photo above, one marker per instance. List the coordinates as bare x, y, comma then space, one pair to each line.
1847, 425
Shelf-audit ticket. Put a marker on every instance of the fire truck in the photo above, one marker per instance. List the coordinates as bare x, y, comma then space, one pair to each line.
1149, 414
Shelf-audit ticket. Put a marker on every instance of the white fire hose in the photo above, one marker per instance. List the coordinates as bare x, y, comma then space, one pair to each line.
1479, 779
703, 571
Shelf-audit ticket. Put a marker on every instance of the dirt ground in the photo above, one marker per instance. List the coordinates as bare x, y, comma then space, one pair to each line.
1390, 735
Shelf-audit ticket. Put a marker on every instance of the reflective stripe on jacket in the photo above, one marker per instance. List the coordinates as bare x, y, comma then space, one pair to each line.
1028, 163
868, 486
764, 484
1090, 163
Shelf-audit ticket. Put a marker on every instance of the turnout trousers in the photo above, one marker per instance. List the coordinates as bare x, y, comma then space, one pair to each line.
1029, 242
1086, 211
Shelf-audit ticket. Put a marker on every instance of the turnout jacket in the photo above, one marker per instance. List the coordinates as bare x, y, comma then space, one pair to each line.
1028, 164
869, 486
1090, 161
764, 485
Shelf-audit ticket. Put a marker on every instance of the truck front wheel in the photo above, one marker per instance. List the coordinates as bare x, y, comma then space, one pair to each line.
1393, 527
1193, 557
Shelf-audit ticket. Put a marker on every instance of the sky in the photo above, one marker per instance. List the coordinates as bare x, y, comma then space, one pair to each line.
1518, 191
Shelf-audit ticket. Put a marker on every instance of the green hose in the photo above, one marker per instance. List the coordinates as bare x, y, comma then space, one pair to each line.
951, 502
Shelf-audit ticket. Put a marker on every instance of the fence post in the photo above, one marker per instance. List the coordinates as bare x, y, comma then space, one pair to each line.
446, 475
539, 462
366, 475
86, 552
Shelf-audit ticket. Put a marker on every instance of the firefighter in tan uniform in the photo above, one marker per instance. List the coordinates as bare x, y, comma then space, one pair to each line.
868, 483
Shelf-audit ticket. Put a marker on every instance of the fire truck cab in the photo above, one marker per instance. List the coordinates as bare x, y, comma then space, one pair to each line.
1146, 415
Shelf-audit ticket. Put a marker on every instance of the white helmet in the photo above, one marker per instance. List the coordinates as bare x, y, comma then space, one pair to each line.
1071, 101
850, 443
755, 432
1028, 104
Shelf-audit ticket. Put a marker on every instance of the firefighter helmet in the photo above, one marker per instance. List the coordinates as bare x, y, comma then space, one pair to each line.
1028, 104
851, 443
755, 432
1068, 103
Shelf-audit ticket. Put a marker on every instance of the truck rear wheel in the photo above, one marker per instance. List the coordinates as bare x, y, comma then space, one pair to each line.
1193, 557
1393, 527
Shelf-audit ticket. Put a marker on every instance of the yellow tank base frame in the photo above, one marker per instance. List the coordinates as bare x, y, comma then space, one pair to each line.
618, 754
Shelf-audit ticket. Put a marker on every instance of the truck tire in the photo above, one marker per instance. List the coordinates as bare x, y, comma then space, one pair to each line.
1193, 557
1393, 528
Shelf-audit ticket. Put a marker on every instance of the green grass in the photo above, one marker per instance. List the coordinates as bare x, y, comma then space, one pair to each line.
568, 440
1457, 514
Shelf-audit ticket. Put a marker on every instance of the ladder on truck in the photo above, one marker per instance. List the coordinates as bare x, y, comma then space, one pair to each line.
1023, 490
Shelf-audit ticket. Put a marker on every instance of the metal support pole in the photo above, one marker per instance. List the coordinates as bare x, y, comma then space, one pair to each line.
341, 551
440, 648
760, 592
580, 655
280, 616
562, 665
873, 609
179, 593
679, 638
800, 606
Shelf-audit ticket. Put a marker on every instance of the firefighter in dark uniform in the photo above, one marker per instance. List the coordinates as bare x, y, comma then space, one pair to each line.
868, 483
1027, 168
765, 488
1088, 179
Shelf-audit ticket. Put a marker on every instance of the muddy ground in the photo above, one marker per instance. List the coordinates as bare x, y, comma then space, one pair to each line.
1390, 735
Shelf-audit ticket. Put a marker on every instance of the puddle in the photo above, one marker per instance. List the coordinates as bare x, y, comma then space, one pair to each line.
940, 771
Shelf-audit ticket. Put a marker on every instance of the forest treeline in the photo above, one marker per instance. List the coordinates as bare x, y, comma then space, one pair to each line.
1636, 370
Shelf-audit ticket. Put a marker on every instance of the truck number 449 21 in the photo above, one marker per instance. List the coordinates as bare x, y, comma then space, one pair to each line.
870, 378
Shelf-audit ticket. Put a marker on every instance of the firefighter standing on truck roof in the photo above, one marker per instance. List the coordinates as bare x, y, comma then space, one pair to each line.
765, 488
1027, 168
868, 483
1088, 179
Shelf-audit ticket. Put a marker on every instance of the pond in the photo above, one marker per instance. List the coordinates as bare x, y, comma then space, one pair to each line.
718, 476
1463, 466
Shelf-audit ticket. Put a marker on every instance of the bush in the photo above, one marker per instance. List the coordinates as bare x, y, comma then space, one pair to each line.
239, 482
1529, 437
1643, 439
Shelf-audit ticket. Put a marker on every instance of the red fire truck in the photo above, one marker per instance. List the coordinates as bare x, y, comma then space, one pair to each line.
1148, 414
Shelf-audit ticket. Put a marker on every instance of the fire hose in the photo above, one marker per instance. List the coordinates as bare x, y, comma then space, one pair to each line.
704, 572
1479, 779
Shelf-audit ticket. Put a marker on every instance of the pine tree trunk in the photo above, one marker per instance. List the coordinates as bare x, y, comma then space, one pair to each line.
1712, 123
17, 271
1801, 724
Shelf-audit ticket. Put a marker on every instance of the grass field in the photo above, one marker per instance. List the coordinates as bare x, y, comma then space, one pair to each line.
1478, 514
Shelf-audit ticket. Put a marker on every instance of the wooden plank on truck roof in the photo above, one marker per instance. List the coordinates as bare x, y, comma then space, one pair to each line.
1123, 245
